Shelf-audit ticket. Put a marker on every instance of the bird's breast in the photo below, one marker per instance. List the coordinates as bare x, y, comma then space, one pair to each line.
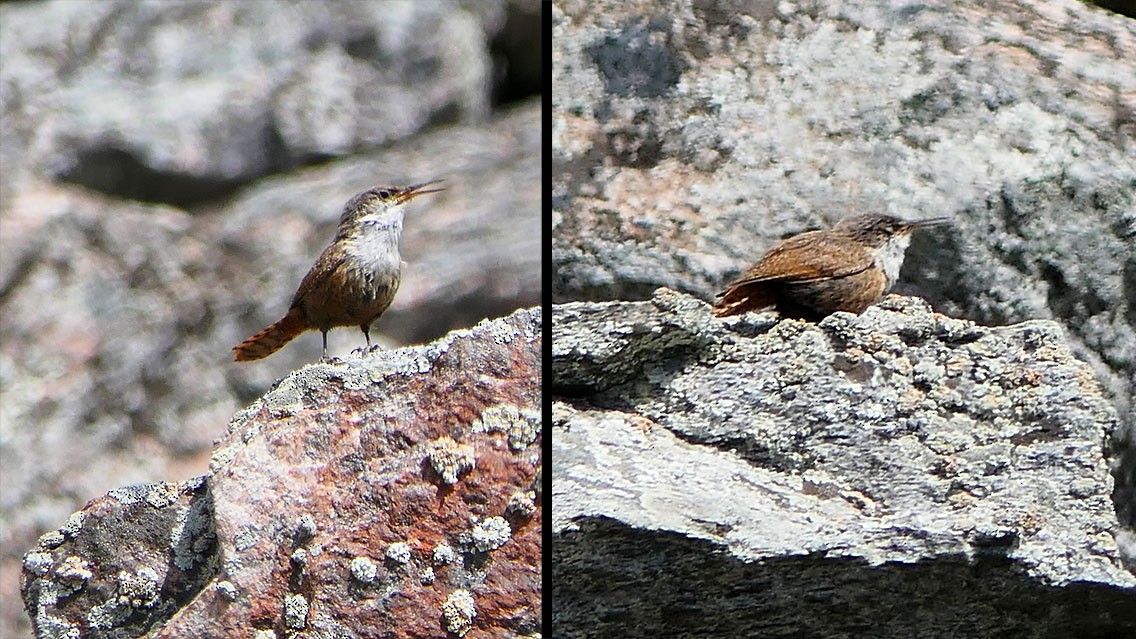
374, 262
889, 258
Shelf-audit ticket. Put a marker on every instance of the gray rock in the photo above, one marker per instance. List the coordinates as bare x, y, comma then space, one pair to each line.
324, 472
181, 103
688, 139
866, 474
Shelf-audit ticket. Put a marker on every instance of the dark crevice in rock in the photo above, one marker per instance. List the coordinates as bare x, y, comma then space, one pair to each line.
119, 173
603, 571
519, 74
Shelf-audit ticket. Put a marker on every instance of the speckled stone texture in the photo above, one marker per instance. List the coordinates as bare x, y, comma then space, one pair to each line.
862, 476
327, 512
690, 136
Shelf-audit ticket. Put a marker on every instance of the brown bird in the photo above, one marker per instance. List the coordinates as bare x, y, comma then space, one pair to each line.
353, 281
817, 273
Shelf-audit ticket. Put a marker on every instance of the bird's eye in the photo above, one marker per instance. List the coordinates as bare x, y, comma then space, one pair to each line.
384, 194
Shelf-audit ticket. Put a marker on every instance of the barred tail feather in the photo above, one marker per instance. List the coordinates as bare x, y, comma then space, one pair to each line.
272, 338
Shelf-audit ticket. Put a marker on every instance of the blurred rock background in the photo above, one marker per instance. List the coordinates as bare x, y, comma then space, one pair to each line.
170, 170
687, 141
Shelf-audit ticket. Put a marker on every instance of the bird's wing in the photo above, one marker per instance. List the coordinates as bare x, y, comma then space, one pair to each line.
805, 258
329, 262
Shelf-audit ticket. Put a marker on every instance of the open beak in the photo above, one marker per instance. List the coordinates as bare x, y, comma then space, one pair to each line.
413, 191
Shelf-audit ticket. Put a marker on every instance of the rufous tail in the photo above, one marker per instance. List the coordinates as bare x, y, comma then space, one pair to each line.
736, 300
271, 339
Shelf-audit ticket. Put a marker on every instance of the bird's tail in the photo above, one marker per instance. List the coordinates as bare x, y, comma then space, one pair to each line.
741, 298
272, 338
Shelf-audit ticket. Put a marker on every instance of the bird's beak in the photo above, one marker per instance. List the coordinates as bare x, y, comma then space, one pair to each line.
934, 221
414, 190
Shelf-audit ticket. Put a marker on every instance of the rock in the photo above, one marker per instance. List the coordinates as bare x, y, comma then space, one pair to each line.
755, 477
688, 139
322, 513
119, 317
182, 105
170, 172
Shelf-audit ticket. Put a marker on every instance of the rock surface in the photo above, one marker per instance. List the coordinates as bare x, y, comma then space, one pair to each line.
856, 477
179, 104
688, 139
170, 172
395, 490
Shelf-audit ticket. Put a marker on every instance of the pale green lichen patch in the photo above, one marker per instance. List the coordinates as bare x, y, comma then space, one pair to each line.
364, 570
223, 457
450, 459
135, 591
522, 503
296, 612
192, 536
53, 539
74, 524
443, 554
459, 611
520, 426
139, 590
245, 538
162, 494
37, 563
399, 552
74, 569
287, 399
306, 529
130, 495
49, 626
227, 590
490, 534
232, 564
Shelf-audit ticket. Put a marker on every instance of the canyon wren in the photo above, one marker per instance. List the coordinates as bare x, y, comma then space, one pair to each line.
355, 278
814, 274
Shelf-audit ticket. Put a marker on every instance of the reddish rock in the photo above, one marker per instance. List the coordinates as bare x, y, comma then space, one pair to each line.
325, 512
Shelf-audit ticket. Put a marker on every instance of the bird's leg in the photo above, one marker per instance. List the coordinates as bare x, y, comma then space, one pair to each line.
325, 357
370, 348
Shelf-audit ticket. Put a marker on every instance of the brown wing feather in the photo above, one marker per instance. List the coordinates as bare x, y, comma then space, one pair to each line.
804, 258
329, 261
